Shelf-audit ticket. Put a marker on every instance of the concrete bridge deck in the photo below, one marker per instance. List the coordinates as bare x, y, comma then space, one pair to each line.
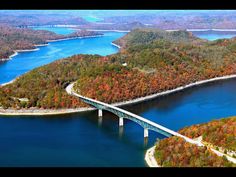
123, 114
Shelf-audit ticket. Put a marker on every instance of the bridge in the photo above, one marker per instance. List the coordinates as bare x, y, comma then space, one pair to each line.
123, 114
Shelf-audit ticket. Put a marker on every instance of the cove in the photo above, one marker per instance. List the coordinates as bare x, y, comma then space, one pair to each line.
26, 61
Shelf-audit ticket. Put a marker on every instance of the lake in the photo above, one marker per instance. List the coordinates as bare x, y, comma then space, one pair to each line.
26, 61
212, 35
83, 139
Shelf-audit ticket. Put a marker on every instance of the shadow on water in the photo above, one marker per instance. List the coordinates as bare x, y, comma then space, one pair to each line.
79, 137
109, 125
131, 134
170, 101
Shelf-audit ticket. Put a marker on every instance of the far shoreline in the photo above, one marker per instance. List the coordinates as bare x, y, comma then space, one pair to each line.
203, 29
32, 111
78, 37
42, 112
16, 52
115, 30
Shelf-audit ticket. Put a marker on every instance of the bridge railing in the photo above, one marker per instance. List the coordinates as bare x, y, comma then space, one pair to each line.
145, 123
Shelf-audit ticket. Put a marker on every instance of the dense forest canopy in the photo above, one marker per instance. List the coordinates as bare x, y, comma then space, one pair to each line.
221, 133
143, 36
45, 86
175, 151
163, 61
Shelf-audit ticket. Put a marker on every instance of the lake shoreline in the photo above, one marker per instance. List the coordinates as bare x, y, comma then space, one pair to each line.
151, 161
70, 38
152, 96
204, 29
149, 157
41, 112
42, 45
119, 31
115, 45
18, 51
35, 111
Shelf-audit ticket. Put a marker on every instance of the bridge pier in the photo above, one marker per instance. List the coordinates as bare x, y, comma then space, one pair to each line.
145, 142
145, 132
99, 112
145, 123
99, 121
121, 131
121, 121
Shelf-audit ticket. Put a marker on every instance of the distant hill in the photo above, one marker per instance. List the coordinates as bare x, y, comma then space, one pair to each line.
12, 39
21, 39
147, 36
181, 19
124, 19
31, 19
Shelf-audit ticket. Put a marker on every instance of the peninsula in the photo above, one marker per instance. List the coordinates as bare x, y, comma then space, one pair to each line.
13, 40
150, 62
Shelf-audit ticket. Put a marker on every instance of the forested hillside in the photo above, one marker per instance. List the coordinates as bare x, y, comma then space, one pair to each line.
44, 87
221, 133
32, 18
176, 151
140, 37
21, 39
150, 61
158, 61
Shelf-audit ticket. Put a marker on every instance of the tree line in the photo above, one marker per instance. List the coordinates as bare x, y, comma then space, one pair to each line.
165, 60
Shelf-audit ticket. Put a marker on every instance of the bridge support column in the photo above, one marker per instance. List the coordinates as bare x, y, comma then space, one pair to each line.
121, 121
99, 121
99, 112
121, 131
145, 132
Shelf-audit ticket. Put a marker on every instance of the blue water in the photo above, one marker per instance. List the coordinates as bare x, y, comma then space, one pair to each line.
82, 139
195, 105
214, 35
25, 61
92, 18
